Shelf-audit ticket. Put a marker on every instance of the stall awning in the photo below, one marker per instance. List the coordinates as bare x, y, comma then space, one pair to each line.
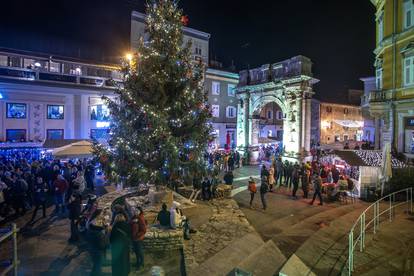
350, 123
52, 144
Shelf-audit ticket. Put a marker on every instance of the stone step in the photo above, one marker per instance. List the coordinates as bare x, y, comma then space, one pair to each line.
390, 250
266, 260
229, 257
324, 253
300, 226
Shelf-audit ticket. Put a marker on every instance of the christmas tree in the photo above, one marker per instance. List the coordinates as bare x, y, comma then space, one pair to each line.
159, 118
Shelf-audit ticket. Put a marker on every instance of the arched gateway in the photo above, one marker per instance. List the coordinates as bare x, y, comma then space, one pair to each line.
289, 85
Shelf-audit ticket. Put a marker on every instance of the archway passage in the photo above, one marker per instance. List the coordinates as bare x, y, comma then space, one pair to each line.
270, 134
287, 84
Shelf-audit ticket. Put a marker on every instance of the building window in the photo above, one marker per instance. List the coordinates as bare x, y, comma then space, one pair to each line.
15, 62
378, 78
100, 112
4, 60
230, 90
55, 112
408, 14
198, 50
409, 70
215, 88
16, 135
269, 114
337, 138
54, 67
269, 133
380, 23
215, 110
280, 115
16, 110
345, 138
328, 109
230, 112
54, 134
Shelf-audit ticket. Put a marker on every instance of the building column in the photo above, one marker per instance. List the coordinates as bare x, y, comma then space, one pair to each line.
377, 136
69, 132
308, 124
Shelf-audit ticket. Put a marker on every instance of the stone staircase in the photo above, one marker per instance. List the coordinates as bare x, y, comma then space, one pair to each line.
390, 251
249, 253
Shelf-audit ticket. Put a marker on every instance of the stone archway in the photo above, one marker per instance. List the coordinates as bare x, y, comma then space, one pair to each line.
289, 85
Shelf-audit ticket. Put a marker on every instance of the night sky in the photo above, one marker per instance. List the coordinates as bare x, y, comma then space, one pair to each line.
338, 36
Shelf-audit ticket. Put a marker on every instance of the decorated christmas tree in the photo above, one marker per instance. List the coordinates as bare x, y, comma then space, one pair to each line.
159, 118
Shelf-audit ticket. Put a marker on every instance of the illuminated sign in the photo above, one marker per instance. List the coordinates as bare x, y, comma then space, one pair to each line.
102, 124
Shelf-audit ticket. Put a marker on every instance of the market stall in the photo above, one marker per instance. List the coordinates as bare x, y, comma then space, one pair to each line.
363, 167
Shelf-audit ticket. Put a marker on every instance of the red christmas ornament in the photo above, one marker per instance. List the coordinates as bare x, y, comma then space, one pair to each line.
185, 20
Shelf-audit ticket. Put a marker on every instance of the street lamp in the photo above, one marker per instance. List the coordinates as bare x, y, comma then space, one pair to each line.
129, 57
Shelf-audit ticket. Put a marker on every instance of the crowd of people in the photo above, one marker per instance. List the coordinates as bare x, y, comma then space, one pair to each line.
33, 183
290, 175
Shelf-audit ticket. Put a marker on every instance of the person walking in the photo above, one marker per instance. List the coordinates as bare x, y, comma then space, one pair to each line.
271, 178
252, 189
304, 180
120, 240
279, 172
317, 186
288, 174
39, 197
295, 179
75, 206
60, 186
138, 229
264, 188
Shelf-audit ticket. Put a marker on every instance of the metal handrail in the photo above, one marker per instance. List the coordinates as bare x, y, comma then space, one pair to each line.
363, 225
11, 233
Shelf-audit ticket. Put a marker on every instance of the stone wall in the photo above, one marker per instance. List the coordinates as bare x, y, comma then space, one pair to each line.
163, 240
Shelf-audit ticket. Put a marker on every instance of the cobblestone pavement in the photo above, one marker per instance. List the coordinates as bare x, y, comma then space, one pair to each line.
226, 223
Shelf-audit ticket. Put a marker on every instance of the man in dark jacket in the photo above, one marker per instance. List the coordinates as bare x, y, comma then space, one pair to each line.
295, 179
163, 217
75, 206
228, 178
138, 230
39, 197
264, 188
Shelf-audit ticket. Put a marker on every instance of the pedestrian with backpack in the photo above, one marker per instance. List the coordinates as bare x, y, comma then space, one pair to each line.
264, 188
252, 189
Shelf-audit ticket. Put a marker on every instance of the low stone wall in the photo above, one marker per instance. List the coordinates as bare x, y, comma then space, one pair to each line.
163, 240
223, 191
156, 239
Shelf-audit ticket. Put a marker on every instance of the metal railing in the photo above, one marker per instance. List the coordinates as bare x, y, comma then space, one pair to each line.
371, 218
6, 233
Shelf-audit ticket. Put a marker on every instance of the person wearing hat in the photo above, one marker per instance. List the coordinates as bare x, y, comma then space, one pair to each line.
252, 189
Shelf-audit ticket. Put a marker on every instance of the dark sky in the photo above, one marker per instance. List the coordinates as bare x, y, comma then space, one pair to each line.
338, 36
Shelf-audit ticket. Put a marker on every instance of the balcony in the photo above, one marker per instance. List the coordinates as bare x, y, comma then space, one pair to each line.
380, 96
35, 75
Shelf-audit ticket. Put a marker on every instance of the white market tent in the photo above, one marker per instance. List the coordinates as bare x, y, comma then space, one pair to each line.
368, 165
80, 149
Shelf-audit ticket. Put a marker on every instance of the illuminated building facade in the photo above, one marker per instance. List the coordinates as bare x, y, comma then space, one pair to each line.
340, 123
50, 97
392, 103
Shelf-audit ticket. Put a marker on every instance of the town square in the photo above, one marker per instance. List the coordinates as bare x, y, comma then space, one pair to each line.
167, 137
